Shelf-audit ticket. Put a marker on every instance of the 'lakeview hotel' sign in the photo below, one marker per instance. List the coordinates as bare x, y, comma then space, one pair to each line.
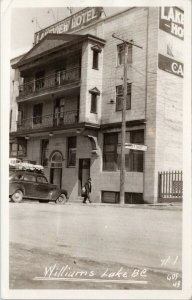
72, 23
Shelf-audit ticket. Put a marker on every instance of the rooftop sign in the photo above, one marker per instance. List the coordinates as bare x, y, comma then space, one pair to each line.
72, 23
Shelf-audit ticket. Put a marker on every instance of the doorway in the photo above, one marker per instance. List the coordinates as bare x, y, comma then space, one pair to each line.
56, 169
84, 173
56, 176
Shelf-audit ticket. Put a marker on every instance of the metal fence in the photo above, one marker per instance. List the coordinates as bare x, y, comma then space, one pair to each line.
170, 186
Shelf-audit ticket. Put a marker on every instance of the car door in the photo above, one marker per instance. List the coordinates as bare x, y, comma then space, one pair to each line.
29, 184
43, 187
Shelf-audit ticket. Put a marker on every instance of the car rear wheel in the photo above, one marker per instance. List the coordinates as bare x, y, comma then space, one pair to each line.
61, 199
17, 196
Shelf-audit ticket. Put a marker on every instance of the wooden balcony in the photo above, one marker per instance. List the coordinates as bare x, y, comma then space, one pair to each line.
48, 122
53, 82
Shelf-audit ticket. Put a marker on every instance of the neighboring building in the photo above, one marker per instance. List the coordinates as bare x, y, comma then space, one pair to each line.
15, 149
69, 105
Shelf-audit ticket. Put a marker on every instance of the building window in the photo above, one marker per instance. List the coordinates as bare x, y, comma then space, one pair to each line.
37, 113
121, 52
136, 157
13, 149
39, 80
110, 197
96, 50
134, 198
93, 103
20, 117
72, 147
94, 94
44, 152
112, 151
95, 60
119, 97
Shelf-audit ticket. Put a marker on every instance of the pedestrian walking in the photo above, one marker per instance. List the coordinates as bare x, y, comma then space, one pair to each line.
87, 192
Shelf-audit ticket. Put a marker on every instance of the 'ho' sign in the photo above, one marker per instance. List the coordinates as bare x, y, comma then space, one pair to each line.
172, 21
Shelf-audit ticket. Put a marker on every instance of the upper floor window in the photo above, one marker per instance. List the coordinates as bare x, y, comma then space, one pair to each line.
71, 151
94, 95
39, 80
121, 54
37, 113
96, 50
119, 97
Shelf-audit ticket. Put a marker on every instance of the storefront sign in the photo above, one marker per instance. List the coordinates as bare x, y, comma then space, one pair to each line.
135, 147
170, 65
72, 23
172, 21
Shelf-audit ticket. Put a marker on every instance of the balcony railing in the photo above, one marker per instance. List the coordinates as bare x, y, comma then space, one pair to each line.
57, 120
54, 80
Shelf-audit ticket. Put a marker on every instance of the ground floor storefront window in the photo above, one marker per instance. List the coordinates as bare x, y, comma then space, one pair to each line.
112, 151
114, 197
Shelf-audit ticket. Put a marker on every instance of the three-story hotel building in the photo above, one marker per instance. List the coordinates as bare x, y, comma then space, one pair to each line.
69, 101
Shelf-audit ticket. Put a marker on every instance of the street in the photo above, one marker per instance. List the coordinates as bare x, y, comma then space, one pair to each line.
76, 246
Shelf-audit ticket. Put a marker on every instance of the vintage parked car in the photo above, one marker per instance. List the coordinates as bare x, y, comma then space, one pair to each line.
34, 185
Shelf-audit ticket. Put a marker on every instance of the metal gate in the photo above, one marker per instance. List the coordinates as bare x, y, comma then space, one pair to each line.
170, 186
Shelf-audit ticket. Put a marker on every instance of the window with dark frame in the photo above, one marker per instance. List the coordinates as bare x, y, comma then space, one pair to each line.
121, 54
39, 79
119, 97
37, 113
93, 103
95, 59
71, 151
112, 151
110, 197
44, 152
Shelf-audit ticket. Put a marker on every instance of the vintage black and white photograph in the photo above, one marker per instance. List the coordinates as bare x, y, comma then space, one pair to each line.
96, 150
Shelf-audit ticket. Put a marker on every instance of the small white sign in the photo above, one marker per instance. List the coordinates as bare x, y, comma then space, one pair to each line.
135, 147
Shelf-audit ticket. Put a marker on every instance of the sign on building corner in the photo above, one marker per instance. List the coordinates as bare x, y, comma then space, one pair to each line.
172, 21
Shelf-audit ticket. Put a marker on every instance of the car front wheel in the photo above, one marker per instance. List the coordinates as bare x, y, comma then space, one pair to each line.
17, 196
61, 199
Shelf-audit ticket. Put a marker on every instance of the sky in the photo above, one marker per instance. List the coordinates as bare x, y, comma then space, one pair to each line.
26, 21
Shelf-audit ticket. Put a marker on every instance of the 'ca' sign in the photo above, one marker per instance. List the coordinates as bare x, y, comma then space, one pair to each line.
170, 65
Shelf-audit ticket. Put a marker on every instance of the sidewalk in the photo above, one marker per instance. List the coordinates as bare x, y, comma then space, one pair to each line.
160, 206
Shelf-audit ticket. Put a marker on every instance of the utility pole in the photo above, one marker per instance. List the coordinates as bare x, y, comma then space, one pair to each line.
123, 127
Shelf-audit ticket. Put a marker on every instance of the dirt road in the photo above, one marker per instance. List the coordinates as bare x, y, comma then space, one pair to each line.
115, 247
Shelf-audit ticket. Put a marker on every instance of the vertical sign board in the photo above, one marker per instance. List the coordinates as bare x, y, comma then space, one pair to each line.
170, 65
72, 23
171, 20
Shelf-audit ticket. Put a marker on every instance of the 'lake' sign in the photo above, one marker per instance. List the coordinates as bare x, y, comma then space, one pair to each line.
72, 23
172, 21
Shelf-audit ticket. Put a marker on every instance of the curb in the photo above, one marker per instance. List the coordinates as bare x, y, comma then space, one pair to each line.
160, 206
